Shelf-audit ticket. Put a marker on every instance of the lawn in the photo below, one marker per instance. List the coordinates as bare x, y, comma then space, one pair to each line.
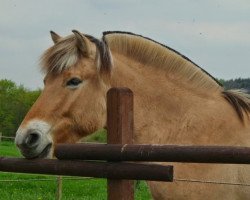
42, 187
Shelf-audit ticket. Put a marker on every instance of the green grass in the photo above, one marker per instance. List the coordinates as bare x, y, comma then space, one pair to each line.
7, 148
98, 136
82, 189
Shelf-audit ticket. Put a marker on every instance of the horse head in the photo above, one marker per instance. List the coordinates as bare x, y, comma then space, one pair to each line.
73, 101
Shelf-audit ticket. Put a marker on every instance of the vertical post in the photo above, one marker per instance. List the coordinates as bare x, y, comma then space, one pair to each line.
58, 188
120, 125
0, 136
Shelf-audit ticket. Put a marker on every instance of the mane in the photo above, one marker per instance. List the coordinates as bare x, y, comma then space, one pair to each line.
240, 100
152, 53
64, 54
60, 56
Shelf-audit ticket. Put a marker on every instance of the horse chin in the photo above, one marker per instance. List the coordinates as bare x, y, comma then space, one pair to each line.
47, 152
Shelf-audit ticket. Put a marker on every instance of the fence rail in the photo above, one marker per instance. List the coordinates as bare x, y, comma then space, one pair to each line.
129, 171
6, 137
161, 153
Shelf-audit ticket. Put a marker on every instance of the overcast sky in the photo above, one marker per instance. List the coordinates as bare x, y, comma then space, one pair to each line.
215, 34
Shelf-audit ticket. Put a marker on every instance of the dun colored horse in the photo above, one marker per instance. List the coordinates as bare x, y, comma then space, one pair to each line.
176, 102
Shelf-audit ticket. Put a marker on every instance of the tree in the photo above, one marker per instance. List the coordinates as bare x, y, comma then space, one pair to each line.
15, 101
238, 83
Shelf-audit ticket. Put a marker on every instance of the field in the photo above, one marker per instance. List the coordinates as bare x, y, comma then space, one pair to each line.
41, 187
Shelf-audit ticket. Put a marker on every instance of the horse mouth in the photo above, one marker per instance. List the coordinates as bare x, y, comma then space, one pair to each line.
44, 154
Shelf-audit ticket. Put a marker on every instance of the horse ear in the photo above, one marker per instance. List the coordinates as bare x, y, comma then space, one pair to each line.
55, 37
82, 43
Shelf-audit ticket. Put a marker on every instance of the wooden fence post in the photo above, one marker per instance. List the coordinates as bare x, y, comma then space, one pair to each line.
58, 188
120, 125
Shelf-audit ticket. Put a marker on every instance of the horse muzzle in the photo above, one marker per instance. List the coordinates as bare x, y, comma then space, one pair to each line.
34, 140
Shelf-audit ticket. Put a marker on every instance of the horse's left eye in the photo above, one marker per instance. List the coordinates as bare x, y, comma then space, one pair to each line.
74, 82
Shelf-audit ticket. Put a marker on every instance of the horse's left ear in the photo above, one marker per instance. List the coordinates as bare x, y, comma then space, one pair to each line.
82, 43
55, 37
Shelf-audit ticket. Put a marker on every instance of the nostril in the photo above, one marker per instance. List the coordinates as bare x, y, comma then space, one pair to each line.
32, 140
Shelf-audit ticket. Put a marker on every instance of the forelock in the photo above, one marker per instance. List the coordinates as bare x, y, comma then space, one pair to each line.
61, 56
65, 54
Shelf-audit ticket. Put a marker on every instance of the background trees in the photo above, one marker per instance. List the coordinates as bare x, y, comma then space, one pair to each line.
239, 83
15, 101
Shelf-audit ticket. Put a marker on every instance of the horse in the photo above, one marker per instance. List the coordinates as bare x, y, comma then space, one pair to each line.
175, 102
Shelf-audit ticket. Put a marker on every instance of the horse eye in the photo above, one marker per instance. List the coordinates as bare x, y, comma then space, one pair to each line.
74, 82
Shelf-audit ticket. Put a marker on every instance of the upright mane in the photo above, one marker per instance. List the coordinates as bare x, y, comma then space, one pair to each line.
152, 53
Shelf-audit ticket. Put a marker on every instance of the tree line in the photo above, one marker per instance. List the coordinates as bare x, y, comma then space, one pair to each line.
239, 83
16, 100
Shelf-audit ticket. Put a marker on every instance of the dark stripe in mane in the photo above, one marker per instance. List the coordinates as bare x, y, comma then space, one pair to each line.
239, 100
103, 53
167, 47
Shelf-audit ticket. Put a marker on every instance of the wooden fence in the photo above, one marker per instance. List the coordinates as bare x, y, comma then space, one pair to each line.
119, 150
119, 174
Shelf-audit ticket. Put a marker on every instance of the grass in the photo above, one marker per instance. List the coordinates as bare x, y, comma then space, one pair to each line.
7, 148
30, 189
99, 136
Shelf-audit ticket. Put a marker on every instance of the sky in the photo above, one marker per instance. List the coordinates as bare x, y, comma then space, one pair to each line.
214, 34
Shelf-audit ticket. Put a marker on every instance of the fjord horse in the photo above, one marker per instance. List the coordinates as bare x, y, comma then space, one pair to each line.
176, 102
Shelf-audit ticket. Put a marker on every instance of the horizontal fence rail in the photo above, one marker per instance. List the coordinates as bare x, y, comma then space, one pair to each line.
6, 138
161, 153
129, 171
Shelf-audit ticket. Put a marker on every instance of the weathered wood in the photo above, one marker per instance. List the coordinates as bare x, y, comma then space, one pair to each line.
129, 171
58, 188
120, 131
161, 153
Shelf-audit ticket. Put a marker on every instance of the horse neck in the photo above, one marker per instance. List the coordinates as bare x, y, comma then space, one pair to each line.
154, 87
166, 105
